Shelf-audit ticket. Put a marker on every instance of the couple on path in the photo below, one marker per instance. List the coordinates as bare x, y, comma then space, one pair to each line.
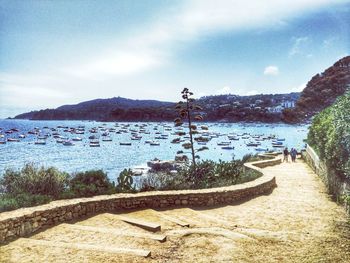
293, 154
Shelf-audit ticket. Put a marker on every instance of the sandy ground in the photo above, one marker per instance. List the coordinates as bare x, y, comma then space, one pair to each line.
297, 222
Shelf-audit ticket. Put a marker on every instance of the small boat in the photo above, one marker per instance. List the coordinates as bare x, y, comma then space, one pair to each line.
227, 147
77, 139
154, 143
2, 142
223, 143
68, 143
40, 142
21, 136
107, 139
12, 140
125, 143
254, 144
260, 149
277, 145
148, 141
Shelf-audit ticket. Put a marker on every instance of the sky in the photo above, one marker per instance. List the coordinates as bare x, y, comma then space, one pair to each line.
64, 52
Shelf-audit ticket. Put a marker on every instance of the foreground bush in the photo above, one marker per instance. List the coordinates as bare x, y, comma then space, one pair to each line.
34, 180
12, 202
206, 174
90, 183
329, 135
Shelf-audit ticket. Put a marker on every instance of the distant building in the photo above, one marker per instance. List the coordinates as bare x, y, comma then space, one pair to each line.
276, 109
288, 104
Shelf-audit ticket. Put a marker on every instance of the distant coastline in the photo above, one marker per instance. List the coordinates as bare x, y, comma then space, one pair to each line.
265, 108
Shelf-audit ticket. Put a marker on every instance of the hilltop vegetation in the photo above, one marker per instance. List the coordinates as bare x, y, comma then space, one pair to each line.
263, 107
321, 91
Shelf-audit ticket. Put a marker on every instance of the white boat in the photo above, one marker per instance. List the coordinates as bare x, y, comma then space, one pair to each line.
227, 147
12, 140
253, 144
77, 139
107, 139
68, 143
40, 142
223, 143
261, 149
154, 143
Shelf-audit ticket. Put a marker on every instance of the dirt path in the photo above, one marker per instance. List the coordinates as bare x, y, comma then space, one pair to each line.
297, 222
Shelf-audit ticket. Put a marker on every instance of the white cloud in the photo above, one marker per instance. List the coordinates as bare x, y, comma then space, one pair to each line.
29, 90
271, 71
251, 92
299, 44
224, 90
328, 43
194, 19
299, 88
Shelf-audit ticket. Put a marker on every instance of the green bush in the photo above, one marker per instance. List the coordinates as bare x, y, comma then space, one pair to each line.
329, 135
34, 180
125, 182
90, 183
8, 203
12, 202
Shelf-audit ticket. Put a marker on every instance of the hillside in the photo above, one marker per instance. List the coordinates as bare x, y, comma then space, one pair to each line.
321, 91
263, 107
98, 109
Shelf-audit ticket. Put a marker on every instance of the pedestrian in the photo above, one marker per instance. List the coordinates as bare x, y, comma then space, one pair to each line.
285, 154
293, 154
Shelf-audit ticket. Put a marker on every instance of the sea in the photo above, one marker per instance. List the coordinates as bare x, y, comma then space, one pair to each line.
113, 157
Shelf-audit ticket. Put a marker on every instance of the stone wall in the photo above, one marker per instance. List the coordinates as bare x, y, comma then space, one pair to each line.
336, 186
24, 221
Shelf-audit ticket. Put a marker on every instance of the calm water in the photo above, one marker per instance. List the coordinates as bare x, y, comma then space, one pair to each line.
112, 157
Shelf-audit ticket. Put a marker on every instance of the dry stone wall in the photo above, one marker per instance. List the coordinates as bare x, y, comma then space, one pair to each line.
338, 187
23, 222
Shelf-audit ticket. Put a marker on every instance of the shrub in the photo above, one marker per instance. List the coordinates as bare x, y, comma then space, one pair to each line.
8, 203
162, 181
90, 183
11, 202
34, 180
125, 181
329, 135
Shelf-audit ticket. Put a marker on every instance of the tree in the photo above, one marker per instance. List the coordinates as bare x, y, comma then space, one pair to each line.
189, 111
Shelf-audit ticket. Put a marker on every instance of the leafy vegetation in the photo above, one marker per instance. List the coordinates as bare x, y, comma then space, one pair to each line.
329, 135
90, 183
125, 181
33, 185
34, 180
207, 174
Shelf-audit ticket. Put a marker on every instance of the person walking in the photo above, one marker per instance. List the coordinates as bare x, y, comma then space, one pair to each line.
293, 154
285, 154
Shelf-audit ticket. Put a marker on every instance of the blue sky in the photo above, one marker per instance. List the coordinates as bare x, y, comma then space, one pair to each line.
63, 52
